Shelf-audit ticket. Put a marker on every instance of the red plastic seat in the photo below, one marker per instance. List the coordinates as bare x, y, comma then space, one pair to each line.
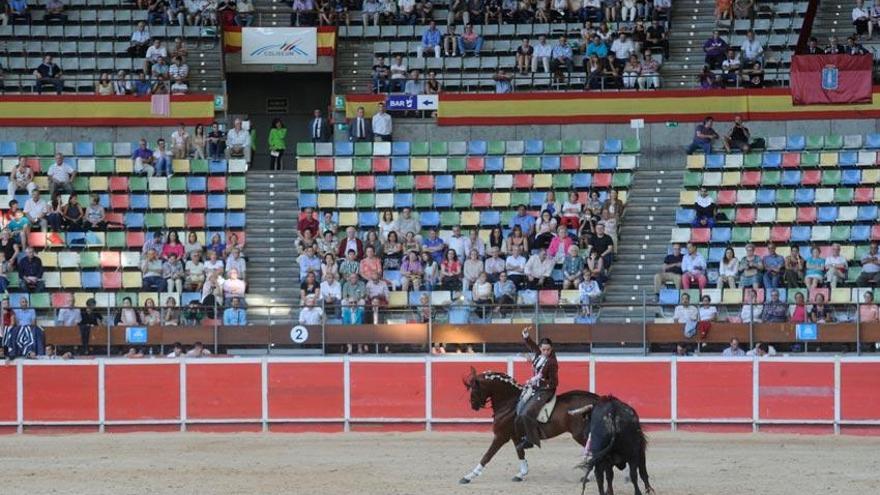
726, 197
751, 178
602, 179
34, 164
811, 177
875, 232
548, 298
475, 164
745, 215
381, 165
825, 251
825, 291
134, 239
424, 182
522, 181
701, 235
195, 220
324, 165
780, 233
118, 184
37, 239
110, 259
115, 219
197, 201
864, 195
119, 201
365, 183
111, 280
806, 214
791, 160
481, 200
62, 299
571, 163
216, 184
54, 239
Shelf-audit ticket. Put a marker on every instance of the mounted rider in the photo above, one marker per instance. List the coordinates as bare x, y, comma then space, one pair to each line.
538, 390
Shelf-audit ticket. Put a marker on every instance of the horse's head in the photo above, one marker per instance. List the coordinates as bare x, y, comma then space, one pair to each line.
479, 393
497, 387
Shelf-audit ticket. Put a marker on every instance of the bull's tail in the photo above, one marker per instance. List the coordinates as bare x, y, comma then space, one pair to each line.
643, 468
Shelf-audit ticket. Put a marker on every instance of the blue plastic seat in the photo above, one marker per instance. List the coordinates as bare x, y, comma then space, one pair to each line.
235, 220
215, 220
217, 167
668, 297
429, 218
607, 162
860, 233
720, 235
90, 280
308, 200
550, 163
398, 148
343, 148
368, 219
685, 216
328, 183
216, 201
415, 296
493, 164
15, 299
477, 148
84, 148
134, 220
75, 239
800, 233
196, 184
796, 143
803, 196
716, 254
399, 165
138, 202
714, 161
851, 177
791, 177
534, 147
536, 198
490, 218
383, 183
442, 200
867, 213
772, 160
8, 148
826, 214
188, 297
848, 158
403, 200
766, 196
872, 141
444, 182
581, 181
104, 200
612, 145
22, 199
4, 182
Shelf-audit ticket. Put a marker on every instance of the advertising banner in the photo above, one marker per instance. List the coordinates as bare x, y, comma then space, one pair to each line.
825, 79
294, 46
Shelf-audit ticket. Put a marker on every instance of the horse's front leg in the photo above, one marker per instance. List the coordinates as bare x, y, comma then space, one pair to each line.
497, 442
523, 464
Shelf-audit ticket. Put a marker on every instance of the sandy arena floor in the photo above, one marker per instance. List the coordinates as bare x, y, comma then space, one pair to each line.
419, 464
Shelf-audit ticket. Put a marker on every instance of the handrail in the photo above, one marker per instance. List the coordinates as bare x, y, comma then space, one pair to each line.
807, 27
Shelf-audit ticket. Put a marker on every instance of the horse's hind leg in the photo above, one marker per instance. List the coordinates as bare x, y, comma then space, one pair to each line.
523, 464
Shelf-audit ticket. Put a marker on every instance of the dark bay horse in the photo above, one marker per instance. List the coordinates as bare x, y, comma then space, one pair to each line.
503, 392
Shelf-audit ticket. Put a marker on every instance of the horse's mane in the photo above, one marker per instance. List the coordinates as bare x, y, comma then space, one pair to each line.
497, 376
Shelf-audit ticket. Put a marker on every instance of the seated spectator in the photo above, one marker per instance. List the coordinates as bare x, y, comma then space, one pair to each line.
693, 267
150, 315
738, 137
127, 314
671, 270
143, 159
179, 72
172, 272
649, 76
370, 9
194, 272
502, 82
704, 134
155, 242
591, 11
836, 267
706, 314
472, 268
733, 350
686, 314
611, 73
631, 72
714, 49
538, 270
708, 79
309, 261
730, 68
328, 245
870, 275
30, 272
622, 48
20, 226
655, 36
751, 269
494, 264
216, 142
431, 39
813, 47
381, 76
545, 228
21, 178
330, 290
55, 12
192, 246
451, 271
142, 86
36, 209
414, 86
25, 316
560, 244
834, 47
524, 53
246, 13
753, 77
470, 41
819, 312
431, 277
861, 19
774, 311
602, 245
104, 86
328, 224
238, 142
180, 142
235, 315
704, 209
179, 49
377, 291
48, 74
752, 51
233, 286
193, 314
310, 314
308, 222
160, 76
157, 12
504, 292
595, 73
434, 245
793, 274
815, 269
161, 163
723, 10
304, 13
458, 10
798, 311
154, 53
61, 175
151, 270
543, 52
515, 266
560, 56
407, 13
354, 294
868, 311
17, 10
854, 48
198, 351
482, 292
774, 264
588, 292
398, 74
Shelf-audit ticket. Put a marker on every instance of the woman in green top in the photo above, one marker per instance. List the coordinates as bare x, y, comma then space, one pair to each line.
276, 144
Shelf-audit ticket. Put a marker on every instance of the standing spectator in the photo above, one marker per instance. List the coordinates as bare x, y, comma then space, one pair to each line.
733, 350
304, 13
216, 142
319, 127
836, 267
774, 265
738, 137
61, 175
431, 39
561, 57
704, 134
775, 311
360, 128
382, 124
693, 267
870, 275
140, 40
542, 54
277, 145
794, 268
48, 74
671, 270
714, 48
524, 54
21, 178
238, 142
235, 315
180, 142
686, 314
751, 268
470, 42
30, 272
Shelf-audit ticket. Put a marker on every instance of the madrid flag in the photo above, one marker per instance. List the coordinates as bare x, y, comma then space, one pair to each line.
829, 79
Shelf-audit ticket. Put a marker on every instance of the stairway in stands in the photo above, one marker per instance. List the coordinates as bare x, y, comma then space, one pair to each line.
272, 206
644, 238
692, 23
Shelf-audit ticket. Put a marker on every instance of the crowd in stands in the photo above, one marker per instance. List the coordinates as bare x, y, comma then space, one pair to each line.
564, 245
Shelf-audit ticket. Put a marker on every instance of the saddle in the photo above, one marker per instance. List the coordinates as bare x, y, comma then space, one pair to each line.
546, 411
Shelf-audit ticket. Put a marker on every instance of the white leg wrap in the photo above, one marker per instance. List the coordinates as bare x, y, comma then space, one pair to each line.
523, 468
476, 472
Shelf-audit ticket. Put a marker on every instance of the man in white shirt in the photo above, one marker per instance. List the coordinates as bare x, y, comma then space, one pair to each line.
140, 40
331, 291
752, 51
750, 312
730, 68
235, 262
36, 209
622, 48
311, 314
538, 270
836, 266
407, 223
733, 350
861, 19
515, 265
542, 53
238, 142
198, 351
693, 268
398, 74
68, 317
161, 160
382, 126
154, 53
61, 176
456, 242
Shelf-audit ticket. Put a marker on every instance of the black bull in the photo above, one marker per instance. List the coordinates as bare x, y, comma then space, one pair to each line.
615, 439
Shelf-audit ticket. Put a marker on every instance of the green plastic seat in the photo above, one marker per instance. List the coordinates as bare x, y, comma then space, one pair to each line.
115, 239
852, 274
419, 148
831, 177
531, 163
81, 184
741, 235
404, 182
484, 181
518, 198
365, 200
456, 164
506, 217
121, 296
833, 142
861, 251
809, 160
178, 184
27, 148
306, 182
552, 147
45, 149
571, 146
154, 220
692, 179
12, 278
771, 177
198, 166
363, 149
137, 184
461, 201
631, 145
305, 149
236, 183
449, 218
727, 212
45, 163
621, 180
815, 142
439, 148
362, 166
561, 181
103, 148
784, 196
840, 233
89, 259
40, 300
423, 200
495, 147
752, 160
844, 195
105, 166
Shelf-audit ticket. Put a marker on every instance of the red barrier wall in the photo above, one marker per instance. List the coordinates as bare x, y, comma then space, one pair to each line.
306, 390
791, 391
449, 398
223, 391
387, 390
60, 393
9, 393
860, 391
644, 385
142, 391
714, 390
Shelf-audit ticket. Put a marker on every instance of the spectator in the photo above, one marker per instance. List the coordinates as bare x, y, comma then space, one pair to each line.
686, 314
354, 295
308, 222
622, 48
591, 11
194, 272
502, 82
382, 125
30, 272
310, 286
370, 266
836, 267
775, 311
671, 270
744, 9
431, 38
142, 86
751, 268
544, 229
868, 311
246, 15
238, 142
398, 74
813, 47
450, 271
180, 142
360, 128
707, 314
304, 13
753, 77
414, 86
377, 292
16, 10
793, 274
216, 142
504, 292
751, 311
854, 48
433, 245
154, 54
523, 220
160, 76
730, 68
21, 178
36, 210
482, 292
161, 161
752, 51
351, 244
524, 54
631, 72
310, 314
25, 316
861, 19
723, 10
611, 73
737, 137
561, 57
233, 286
104, 87
20, 226
328, 245
127, 314
151, 269
234, 315
198, 142
494, 264
143, 159
515, 266
834, 47
432, 84
192, 246
150, 315
733, 350
61, 175
47, 73
309, 262
319, 127
704, 134
412, 271
798, 312
470, 41
560, 244
602, 245
543, 52
370, 10
178, 73
819, 312
472, 268
330, 290
714, 48
655, 36
172, 272
121, 85
693, 267
277, 135
870, 275
155, 243
704, 209
707, 79
389, 11
774, 265
649, 77
458, 9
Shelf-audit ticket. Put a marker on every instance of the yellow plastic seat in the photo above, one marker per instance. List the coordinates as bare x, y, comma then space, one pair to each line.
81, 298
760, 234
696, 161
345, 183
828, 159
98, 184
589, 162
347, 218
418, 164
464, 182
542, 181
730, 179
180, 166
786, 215
305, 165
470, 218
175, 220
131, 280
732, 296
398, 299
70, 280
500, 199
512, 163
687, 197
49, 259
124, 166
326, 201
158, 201
236, 201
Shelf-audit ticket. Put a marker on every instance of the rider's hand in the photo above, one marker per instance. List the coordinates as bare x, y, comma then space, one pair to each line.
525, 332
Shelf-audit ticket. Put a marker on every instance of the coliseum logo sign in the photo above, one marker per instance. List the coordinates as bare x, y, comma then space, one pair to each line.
279, 46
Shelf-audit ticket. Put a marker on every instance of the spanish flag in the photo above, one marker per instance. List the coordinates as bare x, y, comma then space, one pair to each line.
326, 40
93, 110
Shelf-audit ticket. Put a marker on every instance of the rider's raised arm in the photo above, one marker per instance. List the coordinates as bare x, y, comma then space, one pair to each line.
529, 342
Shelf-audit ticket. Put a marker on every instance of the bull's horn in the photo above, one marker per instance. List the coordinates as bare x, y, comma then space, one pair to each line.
581, 410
